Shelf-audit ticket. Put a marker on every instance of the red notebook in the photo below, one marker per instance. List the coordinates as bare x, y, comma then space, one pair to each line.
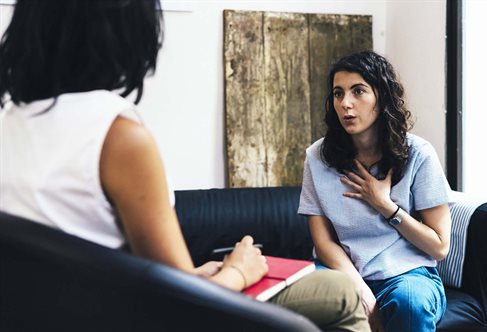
282, 273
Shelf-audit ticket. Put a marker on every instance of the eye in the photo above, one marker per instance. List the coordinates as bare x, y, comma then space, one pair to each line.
358, 91
337, 94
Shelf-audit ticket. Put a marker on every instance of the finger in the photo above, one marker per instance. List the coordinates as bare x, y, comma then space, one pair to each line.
353, 195
247, 240
355, 178
362, 170
350, 183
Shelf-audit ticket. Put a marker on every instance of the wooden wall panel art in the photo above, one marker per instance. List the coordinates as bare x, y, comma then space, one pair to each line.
275, 67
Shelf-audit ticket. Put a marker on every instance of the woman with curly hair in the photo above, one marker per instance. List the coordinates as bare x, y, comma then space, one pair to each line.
376, 197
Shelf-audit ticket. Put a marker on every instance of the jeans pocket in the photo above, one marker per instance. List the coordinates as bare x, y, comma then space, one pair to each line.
425, 271
431, 272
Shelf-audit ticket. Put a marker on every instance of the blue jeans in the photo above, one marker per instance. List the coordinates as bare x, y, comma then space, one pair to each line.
413, 301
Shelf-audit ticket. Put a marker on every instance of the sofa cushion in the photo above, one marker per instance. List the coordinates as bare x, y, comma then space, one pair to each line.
267, 214
463, 313
219, 217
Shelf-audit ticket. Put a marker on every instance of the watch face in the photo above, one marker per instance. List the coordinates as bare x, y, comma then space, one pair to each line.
395, 221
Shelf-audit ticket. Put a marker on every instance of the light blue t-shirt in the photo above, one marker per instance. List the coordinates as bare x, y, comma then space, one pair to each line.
376, 248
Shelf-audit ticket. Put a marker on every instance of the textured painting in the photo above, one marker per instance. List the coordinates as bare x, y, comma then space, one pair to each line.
275, 75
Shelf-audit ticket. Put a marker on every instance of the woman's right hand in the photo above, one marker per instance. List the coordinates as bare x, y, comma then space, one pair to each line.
248, 259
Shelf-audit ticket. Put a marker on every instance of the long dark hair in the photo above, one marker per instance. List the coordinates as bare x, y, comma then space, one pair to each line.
60, 46
394, 121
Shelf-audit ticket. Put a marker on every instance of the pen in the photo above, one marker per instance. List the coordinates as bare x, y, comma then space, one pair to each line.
227, 250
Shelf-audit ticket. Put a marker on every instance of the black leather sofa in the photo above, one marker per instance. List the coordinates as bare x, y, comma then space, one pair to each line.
52, 281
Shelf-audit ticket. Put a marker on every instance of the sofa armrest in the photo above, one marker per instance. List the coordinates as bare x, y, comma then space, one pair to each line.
474, 278
53, 281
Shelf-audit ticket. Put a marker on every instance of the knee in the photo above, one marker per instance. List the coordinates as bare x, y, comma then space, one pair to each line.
407, 300
342, 289
329, 298
336, 280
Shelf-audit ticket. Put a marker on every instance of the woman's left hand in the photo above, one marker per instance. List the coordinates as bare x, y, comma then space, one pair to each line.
208, 269
368, 188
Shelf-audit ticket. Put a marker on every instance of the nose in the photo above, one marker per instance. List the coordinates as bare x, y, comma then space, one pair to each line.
347, 101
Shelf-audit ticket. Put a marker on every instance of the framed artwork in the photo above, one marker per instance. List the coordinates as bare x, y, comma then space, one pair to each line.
275, 68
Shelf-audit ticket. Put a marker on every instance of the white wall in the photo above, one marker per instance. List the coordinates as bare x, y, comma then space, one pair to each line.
183, 102
474, 115
415, 45
5, 14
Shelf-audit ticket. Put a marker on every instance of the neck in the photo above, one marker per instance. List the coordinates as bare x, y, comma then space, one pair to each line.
368, 151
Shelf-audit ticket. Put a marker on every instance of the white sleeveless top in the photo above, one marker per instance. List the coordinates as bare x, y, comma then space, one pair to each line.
50, 163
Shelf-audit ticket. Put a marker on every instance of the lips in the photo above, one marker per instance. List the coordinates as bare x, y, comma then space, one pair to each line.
348, 117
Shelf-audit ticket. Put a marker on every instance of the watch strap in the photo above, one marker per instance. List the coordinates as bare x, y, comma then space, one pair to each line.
397, 219
394, 214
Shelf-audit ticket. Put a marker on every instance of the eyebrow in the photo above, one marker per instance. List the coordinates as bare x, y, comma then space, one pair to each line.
353, 86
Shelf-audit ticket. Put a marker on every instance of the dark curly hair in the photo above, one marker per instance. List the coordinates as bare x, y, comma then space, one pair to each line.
61, 46
394, 120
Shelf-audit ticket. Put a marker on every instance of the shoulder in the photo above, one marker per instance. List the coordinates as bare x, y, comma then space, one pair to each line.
316, 163
127, 138
314, 150
416, 141
423, 157
129, 154
419, 148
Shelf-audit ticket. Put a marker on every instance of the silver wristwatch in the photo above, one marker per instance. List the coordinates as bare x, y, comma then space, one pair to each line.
397, 217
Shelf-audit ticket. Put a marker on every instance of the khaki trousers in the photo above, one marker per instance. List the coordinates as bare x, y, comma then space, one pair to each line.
328, 298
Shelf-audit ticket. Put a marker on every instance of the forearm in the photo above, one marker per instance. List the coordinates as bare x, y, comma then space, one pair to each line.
424, 237
433, 240
432, 236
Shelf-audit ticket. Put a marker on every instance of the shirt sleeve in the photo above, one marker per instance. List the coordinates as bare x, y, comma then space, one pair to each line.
430, 187
309, 202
